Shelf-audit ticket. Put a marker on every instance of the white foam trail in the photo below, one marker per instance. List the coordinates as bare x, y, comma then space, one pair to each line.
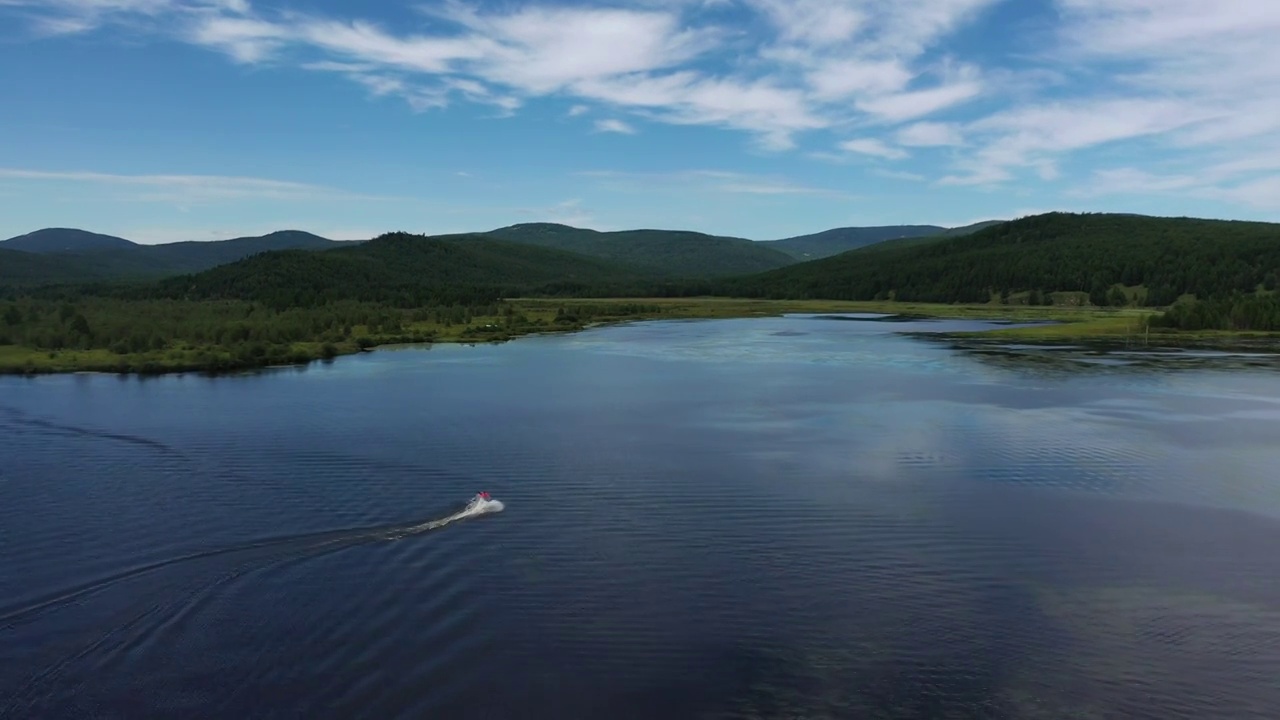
477, 506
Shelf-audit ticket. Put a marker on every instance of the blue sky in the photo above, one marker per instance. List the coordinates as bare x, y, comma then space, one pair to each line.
164, 120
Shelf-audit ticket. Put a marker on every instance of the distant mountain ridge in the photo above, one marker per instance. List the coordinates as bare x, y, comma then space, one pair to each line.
841, 240
396, 268
838, 240
58, 240
663, 253
67, 255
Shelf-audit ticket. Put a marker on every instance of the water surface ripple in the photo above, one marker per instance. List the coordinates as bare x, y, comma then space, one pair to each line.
786, 517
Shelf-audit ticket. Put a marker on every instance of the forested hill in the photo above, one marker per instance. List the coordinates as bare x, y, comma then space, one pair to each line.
397, 269
661, 253
201, 255
927, 239
1056, 252
61, 240
25, 268
60, 255
839, 240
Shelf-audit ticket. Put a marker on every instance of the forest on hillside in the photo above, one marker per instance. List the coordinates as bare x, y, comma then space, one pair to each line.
654, 253
1239, 312
1033, 257
396, 269
294, 305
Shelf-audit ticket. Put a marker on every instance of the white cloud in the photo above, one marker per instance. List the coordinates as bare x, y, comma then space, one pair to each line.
567, 212
1262, 193
774, 113
155, 235
838, 78
912, 26
186, 187
1133, 180
821, 22
1032, 137
898, 175
710, 181
1154, 28
1195, 84
887, 28
873, 147
646, 59
1215, 184
543, 50
64, 25
912, 104
977, 175
245, 39
930, 134
612, 125
1191, 80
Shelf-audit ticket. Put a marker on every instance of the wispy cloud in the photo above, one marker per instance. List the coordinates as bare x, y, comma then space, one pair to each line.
912, 104
898, 175
825, 61
711, 181
1187, 80
567, 212
930, 134
612, 125
1222, 182
1191, 82
153, 234
873, 147
187, 188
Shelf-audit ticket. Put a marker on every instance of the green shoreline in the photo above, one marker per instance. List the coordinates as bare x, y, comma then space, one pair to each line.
1090, 325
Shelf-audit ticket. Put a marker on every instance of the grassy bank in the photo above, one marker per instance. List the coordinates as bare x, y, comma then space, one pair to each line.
194, 337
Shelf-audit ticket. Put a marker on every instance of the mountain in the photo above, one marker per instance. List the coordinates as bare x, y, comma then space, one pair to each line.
838, 240
396, 268
1055, 252
102, 257
662, 253
970, 229
26, 268
184, 257
60, 240
926, 239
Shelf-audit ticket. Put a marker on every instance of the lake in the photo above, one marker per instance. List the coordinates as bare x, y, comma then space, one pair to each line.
784, 517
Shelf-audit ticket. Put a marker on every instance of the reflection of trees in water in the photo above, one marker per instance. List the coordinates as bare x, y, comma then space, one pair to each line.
1075, 360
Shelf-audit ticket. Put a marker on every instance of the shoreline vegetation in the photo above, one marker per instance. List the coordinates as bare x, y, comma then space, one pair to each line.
1098, 279
154, 337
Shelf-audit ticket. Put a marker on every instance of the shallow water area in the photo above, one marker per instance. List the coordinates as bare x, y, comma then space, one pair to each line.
774, 517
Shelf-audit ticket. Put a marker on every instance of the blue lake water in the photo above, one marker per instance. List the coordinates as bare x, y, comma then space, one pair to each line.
784, 517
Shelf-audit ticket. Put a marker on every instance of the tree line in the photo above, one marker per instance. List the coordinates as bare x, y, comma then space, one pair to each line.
153, 335
1038, 256
1238, 312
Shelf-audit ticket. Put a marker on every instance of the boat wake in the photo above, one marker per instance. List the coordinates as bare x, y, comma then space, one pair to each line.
476, 507
177, 587
276, 548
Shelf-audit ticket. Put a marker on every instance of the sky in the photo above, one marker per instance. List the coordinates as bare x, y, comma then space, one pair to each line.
168, 120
